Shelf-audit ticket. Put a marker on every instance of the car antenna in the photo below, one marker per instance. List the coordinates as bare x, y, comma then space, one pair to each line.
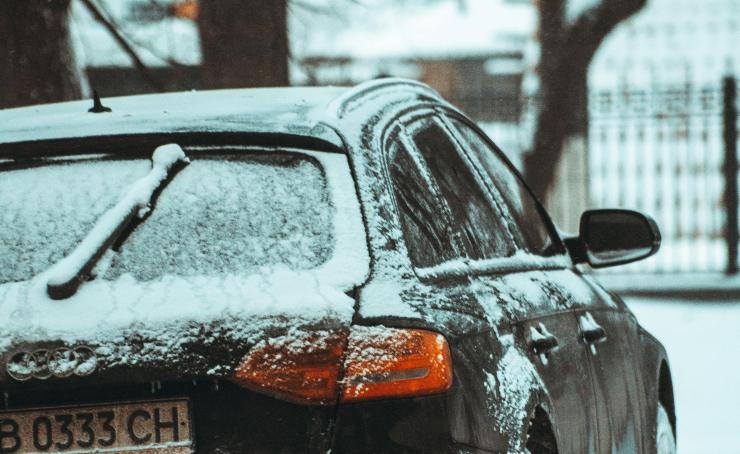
98, 106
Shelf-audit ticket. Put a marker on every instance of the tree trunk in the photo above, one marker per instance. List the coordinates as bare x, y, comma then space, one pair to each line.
566, 53
244, 43
37, 62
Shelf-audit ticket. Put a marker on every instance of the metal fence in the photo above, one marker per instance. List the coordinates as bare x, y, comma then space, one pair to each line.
671, 151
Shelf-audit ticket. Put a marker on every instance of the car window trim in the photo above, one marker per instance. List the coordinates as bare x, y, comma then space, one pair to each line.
517, 263
472, 268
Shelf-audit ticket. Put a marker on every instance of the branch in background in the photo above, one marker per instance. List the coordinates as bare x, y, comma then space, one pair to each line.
145, 72
590, 28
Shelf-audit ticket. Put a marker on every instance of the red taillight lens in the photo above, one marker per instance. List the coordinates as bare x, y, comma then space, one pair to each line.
386, 362
300, 367
379, 363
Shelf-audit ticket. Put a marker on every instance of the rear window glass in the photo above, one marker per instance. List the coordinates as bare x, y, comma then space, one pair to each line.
220, 215
46, 211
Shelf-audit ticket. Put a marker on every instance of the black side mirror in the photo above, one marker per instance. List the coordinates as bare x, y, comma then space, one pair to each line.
614, 237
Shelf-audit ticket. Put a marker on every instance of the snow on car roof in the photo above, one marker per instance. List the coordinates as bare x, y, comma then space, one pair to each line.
296, 110
311, 112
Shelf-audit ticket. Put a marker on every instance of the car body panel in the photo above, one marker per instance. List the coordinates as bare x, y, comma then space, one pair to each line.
484, 310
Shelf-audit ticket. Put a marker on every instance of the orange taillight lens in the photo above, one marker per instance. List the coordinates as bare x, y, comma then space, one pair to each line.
379, 363
301, 367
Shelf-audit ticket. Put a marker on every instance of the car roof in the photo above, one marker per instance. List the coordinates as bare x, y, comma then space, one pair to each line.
297, 111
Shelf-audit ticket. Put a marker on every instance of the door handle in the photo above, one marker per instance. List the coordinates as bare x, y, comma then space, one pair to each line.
591, 332
540, 340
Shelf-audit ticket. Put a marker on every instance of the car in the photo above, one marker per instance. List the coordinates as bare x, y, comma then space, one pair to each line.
306, 270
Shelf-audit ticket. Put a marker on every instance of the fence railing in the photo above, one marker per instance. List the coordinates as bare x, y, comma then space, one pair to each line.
671, 152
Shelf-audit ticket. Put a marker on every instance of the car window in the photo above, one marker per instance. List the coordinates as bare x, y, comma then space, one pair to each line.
475, 217
426, 229
221, 215
233, 214
535, 234
46, 210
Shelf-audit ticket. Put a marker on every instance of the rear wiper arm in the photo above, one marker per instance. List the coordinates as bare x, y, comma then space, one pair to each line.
65, 276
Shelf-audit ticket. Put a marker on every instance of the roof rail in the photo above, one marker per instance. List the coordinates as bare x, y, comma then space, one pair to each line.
340, 105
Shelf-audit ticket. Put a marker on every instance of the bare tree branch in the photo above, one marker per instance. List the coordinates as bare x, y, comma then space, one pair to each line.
113, 30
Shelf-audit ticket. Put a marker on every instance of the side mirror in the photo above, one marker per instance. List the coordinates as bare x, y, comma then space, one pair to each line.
614, 237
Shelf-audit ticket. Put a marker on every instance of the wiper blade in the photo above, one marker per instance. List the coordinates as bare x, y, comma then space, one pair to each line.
65, 276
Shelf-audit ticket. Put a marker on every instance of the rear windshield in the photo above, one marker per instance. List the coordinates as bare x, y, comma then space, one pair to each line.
225, 214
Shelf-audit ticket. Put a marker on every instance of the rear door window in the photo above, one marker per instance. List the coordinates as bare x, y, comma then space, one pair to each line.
426, 227
476, 218
531, 224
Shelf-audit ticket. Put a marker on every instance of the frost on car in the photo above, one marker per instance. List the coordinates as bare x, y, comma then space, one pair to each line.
305, 271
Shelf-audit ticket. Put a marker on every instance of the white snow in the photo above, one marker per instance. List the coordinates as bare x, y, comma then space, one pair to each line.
32, 236
703, 344
520, 261
135, 199
517, 377
383, 297
525, 286
173, 309
350, 265
235, 110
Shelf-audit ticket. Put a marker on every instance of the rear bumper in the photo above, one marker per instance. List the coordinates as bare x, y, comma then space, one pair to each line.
225, 417
230, 419
418, 425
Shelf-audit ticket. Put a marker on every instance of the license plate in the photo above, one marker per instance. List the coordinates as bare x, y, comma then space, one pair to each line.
161, 427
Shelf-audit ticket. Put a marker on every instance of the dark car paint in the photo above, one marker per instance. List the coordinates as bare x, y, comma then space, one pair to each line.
635, 414
597, 403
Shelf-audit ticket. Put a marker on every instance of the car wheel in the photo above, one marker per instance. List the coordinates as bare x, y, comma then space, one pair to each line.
664, 433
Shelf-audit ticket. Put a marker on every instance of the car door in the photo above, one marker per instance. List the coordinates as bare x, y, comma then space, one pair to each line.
437, 216
609, 330
538, 301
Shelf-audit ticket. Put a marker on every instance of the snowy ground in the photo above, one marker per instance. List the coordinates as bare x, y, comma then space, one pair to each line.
703, 343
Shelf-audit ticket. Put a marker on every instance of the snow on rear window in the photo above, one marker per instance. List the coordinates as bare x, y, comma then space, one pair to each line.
46, 211
233, 214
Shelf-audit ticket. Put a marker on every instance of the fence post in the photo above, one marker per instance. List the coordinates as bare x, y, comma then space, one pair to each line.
729, 116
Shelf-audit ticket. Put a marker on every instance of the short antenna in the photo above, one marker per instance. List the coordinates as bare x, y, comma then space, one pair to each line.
98, 106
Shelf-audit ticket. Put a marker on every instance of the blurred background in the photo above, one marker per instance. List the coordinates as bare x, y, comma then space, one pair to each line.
600, 103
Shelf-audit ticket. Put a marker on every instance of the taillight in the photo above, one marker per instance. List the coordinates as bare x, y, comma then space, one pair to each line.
302, 367
379, 363
387, 362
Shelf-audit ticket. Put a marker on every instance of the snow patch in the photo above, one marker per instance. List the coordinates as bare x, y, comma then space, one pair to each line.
518, 379
136, 199
172, 311
520, 261
382, 297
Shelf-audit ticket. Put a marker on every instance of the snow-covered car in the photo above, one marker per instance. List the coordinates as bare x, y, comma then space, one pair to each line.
306, 270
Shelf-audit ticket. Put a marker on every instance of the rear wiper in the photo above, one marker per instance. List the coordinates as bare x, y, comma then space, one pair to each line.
66, 275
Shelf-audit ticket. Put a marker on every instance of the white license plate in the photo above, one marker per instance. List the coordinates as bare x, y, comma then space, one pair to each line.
161, 427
